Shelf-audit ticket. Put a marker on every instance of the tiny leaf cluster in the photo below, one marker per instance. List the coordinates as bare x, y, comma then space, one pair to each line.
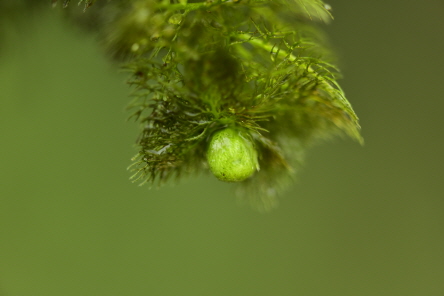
197, 68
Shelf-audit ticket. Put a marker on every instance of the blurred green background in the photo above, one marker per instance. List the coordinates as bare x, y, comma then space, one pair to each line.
360, 220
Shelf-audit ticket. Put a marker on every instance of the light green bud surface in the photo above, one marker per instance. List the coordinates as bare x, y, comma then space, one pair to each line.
231, 155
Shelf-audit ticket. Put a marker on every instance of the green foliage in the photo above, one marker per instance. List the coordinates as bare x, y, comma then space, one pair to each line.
198, 67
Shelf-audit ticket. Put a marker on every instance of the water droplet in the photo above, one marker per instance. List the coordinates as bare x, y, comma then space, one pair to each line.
176, 19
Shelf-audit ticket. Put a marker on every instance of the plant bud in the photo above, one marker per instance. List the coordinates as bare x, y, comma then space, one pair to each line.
231, 155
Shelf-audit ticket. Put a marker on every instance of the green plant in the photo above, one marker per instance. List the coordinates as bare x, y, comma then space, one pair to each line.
258, 72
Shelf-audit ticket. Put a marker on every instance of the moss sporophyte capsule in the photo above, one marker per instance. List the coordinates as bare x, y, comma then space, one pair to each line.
231, 155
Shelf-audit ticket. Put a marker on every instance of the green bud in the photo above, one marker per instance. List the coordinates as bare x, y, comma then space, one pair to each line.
231, 155
175, 19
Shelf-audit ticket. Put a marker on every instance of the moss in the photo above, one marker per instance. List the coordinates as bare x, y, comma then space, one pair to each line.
261, 68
